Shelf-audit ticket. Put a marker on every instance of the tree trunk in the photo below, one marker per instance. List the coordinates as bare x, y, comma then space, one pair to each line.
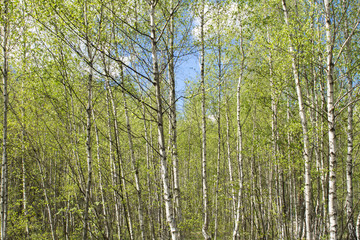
303, 120
331, 123
239, 213
349, 159
47, 203
161, 140
5, 75
134, 164
358, 227
102, 195
118, 178
203, 154
23, 164
173, 120
218, 137
88, 127
231, 178
148, 179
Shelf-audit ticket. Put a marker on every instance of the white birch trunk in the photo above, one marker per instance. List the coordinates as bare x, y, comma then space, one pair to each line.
134, 165
4, 169
358, 227
239, 213
24, 193
331, 123
113, 169
103, 202
117, 171
350, 138
150, 198
203, 154
219, 138
231, 178
89, 158
303, 120
349, 166
236, 234
161, 140
173, 121
88, 130
47, 203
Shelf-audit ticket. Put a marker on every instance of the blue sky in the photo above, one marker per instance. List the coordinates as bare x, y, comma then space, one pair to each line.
187, 69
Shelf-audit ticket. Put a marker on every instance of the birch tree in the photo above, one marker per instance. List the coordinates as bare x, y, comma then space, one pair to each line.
331, 122
159, 111
172, 114
5, 38
302, 113
203, 127
88, 124
350, 138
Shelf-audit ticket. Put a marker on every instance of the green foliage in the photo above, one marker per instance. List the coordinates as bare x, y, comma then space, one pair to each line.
51, 44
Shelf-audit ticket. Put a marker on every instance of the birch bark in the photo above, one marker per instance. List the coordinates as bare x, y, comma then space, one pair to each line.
161, 140
172, 118
239, 147
219, 136
88, 128
350, 138
134, 164
331, 122
303, 120
117, 169
24, 169
231, 178
5, 76
203, 99
102, 195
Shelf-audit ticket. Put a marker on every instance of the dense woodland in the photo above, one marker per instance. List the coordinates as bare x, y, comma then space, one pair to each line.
101, 140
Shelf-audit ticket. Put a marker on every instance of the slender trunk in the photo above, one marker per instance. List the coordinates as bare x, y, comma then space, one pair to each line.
349, 159
116, 162
117, 169
161, 139
231, 179
239, 213
331, 123
88, 129
134, 164
102, 195
303, 120
74, 142
5, 76
48, 207
203, 155
314, 117
113, 168
173, 120
150, 200
219, 138
324, 174
23, 164
349, 166
274, 132
89, 158
358, 227
255, 215
319, 170
24, 203
236, 234
292, 185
